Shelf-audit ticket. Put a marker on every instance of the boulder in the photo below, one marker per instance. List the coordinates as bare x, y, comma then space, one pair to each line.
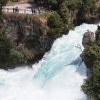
88, 37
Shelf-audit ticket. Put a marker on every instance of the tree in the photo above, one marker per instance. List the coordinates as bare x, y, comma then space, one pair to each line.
54, 4
64, 12
92, 59
55, 24
54, 21
2, 3
87, 9
92, 54
92, 85
90, 6
74, 4
5, 47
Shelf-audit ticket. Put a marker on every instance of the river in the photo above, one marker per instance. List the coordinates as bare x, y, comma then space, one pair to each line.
58, 76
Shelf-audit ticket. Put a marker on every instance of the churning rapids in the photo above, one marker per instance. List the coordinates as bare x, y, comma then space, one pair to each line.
58, 76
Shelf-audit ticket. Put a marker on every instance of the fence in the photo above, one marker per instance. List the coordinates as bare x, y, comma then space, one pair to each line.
23, 11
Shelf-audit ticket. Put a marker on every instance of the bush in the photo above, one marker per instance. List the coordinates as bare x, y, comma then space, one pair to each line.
54, 21
55, 24
92, 54
64, 12
92, 59
2, 3
92, 85
5, 48
21, 56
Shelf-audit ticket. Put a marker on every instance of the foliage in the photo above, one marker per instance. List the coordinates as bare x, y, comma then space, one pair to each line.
92, 85
70, 10
92, 59
84, 9
92, 54
54, 21
55, 24
17, 56
2, 3
5, 47
74, 4
89, 5
54, 4
87, 9
11, 54
21, 55
64, 12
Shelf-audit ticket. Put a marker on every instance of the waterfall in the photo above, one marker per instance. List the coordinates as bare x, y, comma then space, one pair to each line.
58, 76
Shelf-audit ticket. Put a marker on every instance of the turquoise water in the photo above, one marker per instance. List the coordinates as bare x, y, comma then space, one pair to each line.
58, 76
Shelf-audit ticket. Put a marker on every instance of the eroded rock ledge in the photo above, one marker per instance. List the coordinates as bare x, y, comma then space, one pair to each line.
28, 36
89, 38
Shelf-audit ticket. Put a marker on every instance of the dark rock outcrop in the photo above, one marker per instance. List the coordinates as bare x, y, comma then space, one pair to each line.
30, 34
88, 37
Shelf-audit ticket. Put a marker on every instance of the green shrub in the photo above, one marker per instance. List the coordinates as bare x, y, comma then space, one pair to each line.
17, 56
92, 54
64, 12
21, 56
5, 47
54, 21
55, 24
92, 59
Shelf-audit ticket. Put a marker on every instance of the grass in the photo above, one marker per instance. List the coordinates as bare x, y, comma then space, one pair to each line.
43, 15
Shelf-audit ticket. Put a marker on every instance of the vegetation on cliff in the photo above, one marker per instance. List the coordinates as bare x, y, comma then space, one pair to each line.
92, 59
2, 3
69, 13
55, 24
73, 10
27, 36
5, 47
11, 54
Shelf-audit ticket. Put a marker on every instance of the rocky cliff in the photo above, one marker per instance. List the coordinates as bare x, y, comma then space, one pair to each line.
91, 57
88, 39
28, 34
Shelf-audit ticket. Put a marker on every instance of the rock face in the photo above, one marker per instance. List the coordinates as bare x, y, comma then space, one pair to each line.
29, 33
88, 37
24, 30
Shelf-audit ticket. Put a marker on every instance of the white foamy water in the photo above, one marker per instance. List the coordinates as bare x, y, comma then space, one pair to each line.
58, 76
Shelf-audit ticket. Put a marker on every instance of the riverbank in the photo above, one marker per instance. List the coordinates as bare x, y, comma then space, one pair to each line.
59, 72
28, 36
38, 21
33, 35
